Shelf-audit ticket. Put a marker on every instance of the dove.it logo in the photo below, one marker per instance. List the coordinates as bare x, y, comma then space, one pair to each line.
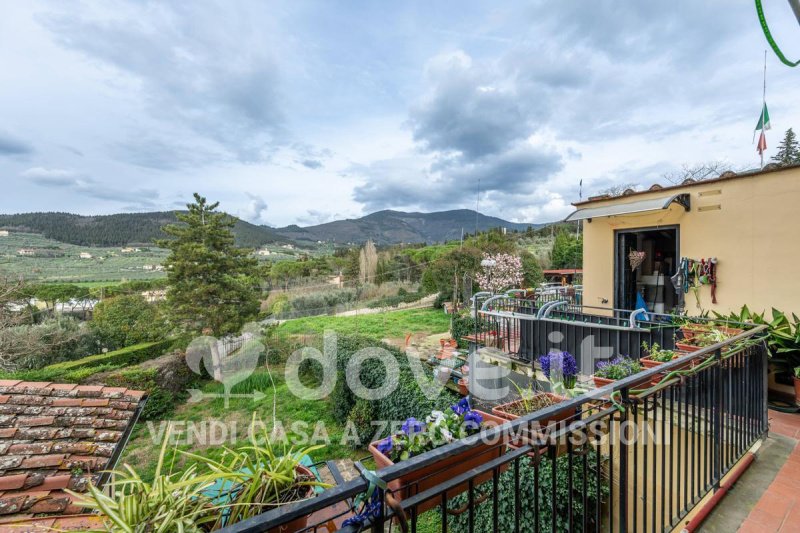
229, 361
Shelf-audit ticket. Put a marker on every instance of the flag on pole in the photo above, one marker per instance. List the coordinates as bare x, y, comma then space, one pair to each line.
762, 144
763, 119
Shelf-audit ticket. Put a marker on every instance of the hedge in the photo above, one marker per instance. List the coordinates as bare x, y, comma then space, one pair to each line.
78, 369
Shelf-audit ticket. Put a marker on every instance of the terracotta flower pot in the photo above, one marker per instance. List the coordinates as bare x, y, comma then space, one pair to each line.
298, 524
463, 386
503, 411
649, 363
425, 478
687, 347
602, 382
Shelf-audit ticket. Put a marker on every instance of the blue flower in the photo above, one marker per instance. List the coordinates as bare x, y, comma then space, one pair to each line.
462, 406
411, 426
472, 419
385, 446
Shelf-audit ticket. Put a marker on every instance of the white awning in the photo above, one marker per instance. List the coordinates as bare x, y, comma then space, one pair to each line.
639, 206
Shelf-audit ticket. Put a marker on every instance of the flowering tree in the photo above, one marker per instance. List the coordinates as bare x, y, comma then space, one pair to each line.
505, 274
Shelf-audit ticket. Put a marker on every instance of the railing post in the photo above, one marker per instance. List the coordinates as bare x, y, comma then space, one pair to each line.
717, 449
623, 463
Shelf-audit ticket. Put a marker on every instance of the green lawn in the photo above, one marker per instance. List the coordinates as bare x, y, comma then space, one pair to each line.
142, 451
390, 324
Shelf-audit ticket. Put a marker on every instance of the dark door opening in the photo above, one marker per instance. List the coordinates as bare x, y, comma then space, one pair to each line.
651, 279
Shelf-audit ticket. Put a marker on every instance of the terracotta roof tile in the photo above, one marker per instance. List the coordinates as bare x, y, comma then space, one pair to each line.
55, 437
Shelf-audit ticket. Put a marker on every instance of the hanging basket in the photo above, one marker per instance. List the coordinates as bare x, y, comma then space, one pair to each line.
636, 258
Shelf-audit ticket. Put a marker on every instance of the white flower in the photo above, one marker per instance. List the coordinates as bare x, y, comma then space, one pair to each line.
436, 418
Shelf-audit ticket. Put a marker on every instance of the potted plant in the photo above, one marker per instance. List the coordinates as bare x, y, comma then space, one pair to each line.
692, 329
702, 340
657, 356
170, 502
531, 401
618, 368
560, 366
438, 429
257, 478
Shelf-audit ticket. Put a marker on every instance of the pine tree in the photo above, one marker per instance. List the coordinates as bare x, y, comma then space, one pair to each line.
212, 284
788, 150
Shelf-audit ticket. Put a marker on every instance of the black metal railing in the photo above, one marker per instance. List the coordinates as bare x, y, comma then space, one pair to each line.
634, 455
525, 329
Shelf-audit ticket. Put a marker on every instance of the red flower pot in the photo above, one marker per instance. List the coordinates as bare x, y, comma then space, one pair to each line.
463, 386
503, 411
425, 478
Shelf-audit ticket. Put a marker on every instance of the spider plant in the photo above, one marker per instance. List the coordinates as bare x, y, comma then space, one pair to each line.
170, 503
258, 477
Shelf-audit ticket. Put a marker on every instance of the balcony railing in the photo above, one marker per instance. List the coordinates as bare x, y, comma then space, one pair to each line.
636, 455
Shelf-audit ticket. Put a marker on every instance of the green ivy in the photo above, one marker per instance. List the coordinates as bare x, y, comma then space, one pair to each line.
483, 513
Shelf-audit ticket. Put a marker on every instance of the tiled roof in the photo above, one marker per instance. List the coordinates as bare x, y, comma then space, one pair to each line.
55, 437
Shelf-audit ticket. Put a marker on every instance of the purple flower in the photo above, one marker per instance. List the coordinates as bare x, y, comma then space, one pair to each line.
411, 426
462, 406
472, 420
555, 361
385, 446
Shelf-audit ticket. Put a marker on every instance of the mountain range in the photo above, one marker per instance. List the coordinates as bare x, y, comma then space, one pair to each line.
394, 227
383, 227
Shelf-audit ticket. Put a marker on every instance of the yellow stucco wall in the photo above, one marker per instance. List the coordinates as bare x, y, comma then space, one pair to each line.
750, 224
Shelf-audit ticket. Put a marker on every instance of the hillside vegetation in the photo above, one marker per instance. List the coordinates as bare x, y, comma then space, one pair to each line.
395, 227
120, 229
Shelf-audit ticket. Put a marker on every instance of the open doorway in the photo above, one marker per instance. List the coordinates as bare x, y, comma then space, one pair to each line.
659, 251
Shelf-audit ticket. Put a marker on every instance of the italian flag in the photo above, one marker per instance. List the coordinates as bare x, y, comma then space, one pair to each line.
763, 125
763, 119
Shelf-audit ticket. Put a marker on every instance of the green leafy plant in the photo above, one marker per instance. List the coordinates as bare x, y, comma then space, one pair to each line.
257, 477
536, 499
797, 372
656, 353
171, 502
783, 339
618, 368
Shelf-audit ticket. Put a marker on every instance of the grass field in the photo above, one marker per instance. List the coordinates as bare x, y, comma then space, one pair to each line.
142, 451
56, 261
391, 324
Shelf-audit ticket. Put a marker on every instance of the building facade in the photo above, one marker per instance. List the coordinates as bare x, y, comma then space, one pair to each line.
745, 224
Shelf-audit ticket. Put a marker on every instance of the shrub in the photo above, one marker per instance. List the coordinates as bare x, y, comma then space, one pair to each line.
127, 320
32, 346
362, 415
483, 512
406, 400
126, 356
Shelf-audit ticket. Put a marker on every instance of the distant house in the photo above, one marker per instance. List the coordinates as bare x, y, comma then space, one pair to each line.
3, 233
155, 295
26, 251
264, 252
288, 246
148, 267
85, 255
129, 250
336, 280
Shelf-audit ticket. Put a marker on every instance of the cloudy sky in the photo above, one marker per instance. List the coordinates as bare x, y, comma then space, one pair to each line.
301, 112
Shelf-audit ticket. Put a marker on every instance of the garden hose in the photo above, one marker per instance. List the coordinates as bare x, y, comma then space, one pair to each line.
765, 28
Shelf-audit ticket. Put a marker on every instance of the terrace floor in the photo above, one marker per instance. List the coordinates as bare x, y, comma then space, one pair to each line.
766, 498
778, 509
